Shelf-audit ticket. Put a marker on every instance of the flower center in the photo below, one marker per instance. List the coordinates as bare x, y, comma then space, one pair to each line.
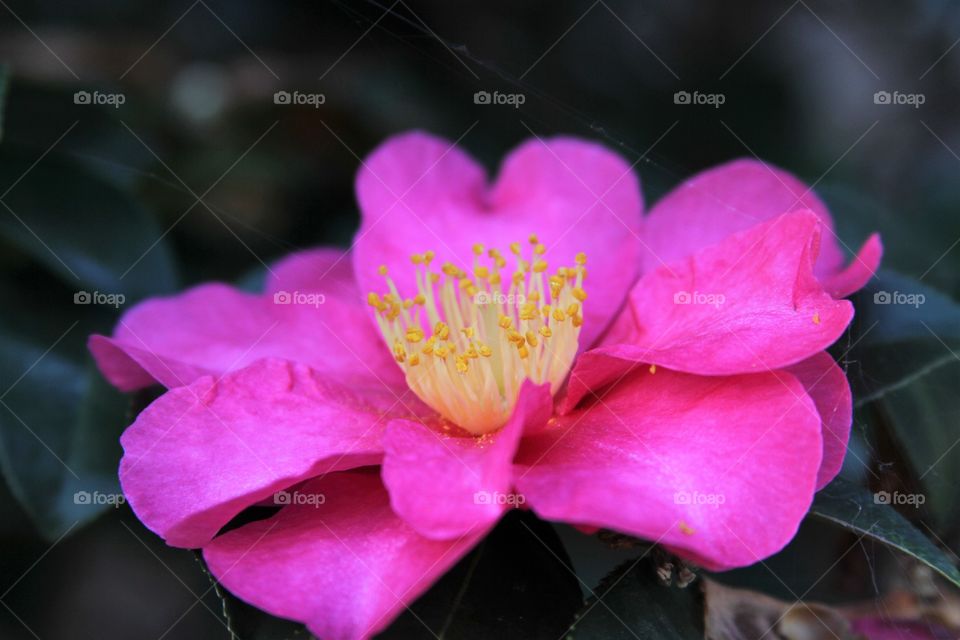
467, 342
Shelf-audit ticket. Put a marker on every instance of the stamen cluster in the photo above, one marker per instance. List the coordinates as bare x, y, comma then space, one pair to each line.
466, 341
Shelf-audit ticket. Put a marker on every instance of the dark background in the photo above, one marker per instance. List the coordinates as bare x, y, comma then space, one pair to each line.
798, 81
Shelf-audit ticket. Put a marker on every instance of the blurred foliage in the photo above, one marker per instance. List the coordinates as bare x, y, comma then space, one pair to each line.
669, 611
199, 175
518, 583
857, 509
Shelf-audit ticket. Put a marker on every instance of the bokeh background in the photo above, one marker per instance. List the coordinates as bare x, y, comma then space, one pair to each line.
200, 175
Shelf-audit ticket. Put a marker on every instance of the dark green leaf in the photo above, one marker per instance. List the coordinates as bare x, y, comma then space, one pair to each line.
59, 425
903, 367
908, 247
83, 228
856, 509
517, 584
807, 565
902, 308
923, 418
904, 330
632, 603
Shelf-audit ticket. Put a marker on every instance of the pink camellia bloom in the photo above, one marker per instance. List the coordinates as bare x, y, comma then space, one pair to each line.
404, 394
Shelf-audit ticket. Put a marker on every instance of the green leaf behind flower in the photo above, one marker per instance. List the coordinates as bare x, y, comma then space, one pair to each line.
86, 230
59, 426
631, 603
856, 509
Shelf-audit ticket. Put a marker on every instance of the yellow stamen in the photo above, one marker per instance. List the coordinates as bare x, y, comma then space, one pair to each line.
489, 332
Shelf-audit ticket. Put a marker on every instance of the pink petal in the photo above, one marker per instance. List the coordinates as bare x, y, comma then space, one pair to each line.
202, 453
823, 380
827, 385
720, 469
346, 567
446, 486
860, 270
749, 303
213, 328
418, 192
734, 197
325, 270
594, 370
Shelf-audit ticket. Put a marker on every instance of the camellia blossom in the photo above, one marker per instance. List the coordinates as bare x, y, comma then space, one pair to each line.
660, 375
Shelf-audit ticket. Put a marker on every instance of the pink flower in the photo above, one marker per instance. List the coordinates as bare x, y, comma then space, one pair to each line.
705, 418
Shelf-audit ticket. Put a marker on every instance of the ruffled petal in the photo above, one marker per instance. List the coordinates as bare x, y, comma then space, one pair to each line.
738, 195
720, 469
418, 192
859, 272
446, 487
324, 270
213, 328
342, 562
202, 453
594, 370
823, 380
749, 303
827, 385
